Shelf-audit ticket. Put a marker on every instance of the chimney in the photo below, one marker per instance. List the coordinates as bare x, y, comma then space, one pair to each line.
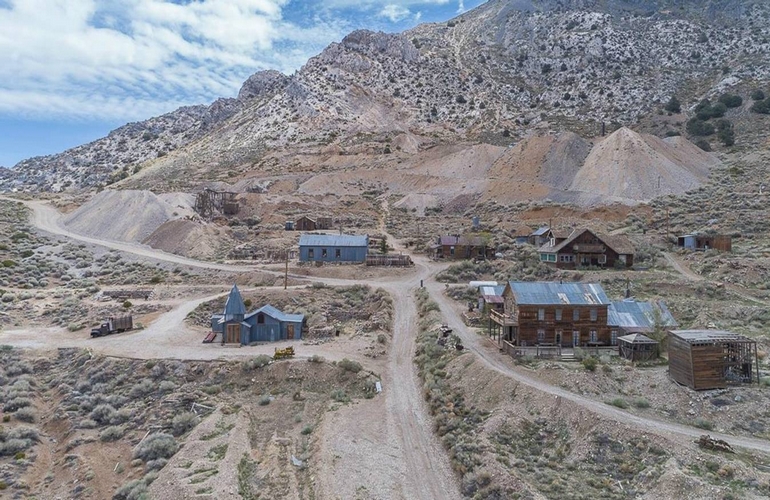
628, 288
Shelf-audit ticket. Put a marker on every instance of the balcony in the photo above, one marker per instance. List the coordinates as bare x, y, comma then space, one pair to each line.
503, 319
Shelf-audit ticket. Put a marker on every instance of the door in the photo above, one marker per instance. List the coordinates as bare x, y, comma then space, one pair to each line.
289, 332
233, 334
575, 338
557, 337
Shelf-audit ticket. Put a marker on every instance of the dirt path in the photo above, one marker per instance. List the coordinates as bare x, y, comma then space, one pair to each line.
682, 268
502, 364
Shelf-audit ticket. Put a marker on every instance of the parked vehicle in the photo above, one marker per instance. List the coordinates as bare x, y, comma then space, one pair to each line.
114, 325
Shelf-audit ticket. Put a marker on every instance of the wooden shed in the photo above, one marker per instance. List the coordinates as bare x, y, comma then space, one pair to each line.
711, 359
637, 347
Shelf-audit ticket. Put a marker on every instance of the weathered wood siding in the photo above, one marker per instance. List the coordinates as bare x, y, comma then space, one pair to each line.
697, 366
530, 324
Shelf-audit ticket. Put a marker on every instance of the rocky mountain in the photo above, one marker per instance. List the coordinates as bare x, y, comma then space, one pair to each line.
492, 75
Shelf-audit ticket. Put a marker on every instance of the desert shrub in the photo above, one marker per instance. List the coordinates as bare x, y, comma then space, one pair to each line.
18, 368
641, 403
619, 403
121, 416
306, 430
264, 400
705, 110
156, 464
703, 144
726, 132
142, 388
257, 362
13, 446
183, 423
132, 490
25, 415
127, 304
103, 414
381, 338
156, 446
699, 128
87, 424
349, 365
673, 105
762, 107
758, 95
703, 424
16, 403
340, 396
111, 433
590, 363
315, 358
167, 386
731, 100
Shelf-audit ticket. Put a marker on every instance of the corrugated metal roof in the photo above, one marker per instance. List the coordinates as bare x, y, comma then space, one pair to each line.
492, 294
637, 338
333, 240
582, 294
276, 314
541, 231
639, 316
709, 336
234, 305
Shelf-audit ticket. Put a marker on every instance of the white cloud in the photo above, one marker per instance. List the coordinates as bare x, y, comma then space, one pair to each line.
125, 59
460, 6
395, 13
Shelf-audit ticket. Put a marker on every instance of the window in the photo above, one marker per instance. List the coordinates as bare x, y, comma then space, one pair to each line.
575, 314
602, 259
592, 336
575, 338
540, 336
337, 253
323, 253
566, 258
551, 257
310, 253
594, 314
541, 314
557, 337
260, 319
558, 315
543, 257
614, 337
451, 250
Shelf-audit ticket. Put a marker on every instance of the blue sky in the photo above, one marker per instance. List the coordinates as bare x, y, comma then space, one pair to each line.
72, 70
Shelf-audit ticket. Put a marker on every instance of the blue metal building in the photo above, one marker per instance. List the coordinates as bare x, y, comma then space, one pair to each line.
333, 248
266, 324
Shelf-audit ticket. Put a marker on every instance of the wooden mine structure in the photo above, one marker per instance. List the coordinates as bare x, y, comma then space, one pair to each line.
711, 359
208, 202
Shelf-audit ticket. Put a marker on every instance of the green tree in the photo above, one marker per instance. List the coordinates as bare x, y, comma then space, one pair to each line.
731, 100
673, 105
700, 128
384, 245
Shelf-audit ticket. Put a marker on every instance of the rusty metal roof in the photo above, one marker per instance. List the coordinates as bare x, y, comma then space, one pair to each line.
709, 336
492, 294
540, 293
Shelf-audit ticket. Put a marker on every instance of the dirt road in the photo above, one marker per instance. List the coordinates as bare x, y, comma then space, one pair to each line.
502, 364
682, 268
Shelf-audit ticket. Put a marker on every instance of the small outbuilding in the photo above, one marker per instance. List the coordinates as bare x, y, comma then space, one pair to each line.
637, 347
333, 248
266, 324
711, 359
720, 242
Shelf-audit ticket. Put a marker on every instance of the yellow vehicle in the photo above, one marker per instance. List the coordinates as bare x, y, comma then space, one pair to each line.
287, 352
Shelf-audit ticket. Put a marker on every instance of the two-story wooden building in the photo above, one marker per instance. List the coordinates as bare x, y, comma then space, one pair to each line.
550, 314
585, 248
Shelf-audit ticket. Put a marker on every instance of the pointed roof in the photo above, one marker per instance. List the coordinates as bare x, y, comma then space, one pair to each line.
618, 243
234, 305
276, 314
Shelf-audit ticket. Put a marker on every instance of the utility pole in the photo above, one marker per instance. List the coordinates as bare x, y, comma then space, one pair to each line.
286, 272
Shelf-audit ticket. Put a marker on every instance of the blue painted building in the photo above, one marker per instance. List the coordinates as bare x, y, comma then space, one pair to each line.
333, 248
266, 324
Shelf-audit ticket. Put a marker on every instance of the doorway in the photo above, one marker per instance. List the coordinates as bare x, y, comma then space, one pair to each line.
289, 332
233, 334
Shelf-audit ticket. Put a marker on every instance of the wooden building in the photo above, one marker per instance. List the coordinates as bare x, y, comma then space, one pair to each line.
266, 324
638, 347
305, 223
584, 248
545, 235
455, 247
552, 314
333, 248
711, 359
720, 242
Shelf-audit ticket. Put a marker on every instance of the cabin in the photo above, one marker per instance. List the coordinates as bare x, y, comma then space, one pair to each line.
546, 234
455, 247
632, 316
491, 298
711, 359
266, 324
333, 248
720, 242
305, 223
584, 248
552, 314
638, 347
